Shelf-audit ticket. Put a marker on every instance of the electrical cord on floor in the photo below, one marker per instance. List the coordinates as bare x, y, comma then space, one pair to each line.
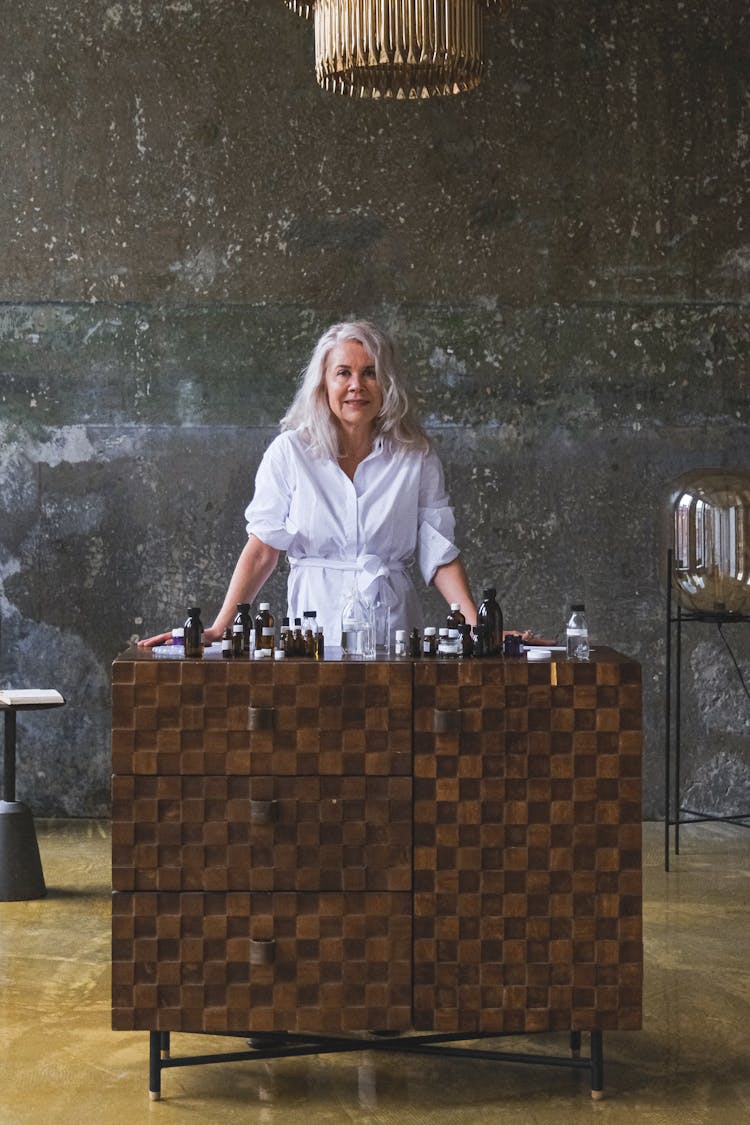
734, 659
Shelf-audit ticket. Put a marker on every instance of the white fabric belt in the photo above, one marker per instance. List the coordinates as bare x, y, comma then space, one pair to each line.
371, 567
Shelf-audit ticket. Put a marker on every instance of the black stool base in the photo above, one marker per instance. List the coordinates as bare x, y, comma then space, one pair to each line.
21, 875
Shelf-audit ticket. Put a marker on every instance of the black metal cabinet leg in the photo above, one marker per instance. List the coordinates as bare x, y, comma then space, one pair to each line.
154, 1065
575, 1044
597, 1065
164, 1044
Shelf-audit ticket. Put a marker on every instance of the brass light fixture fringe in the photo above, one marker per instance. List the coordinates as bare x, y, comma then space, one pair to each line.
397, 48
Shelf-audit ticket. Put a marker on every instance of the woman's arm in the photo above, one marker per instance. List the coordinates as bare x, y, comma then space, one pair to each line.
450, 579
254, 567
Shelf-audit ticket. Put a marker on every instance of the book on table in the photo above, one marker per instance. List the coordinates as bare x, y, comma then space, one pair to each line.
19, 697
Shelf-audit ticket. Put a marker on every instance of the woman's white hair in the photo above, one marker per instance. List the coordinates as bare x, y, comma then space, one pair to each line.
311, 414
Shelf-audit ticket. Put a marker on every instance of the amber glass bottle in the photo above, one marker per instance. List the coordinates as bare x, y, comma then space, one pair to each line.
194, 633
490, 615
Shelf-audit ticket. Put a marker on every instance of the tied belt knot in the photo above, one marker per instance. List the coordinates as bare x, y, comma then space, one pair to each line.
369, 567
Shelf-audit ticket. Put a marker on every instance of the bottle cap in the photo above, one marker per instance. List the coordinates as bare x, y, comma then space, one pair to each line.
443, 632
429, 631
401, 634
264, 605
309, 613
195, 611
579, 607
455, 605
489, 592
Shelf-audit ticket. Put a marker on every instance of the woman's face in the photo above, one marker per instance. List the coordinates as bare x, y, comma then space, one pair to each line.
354, 394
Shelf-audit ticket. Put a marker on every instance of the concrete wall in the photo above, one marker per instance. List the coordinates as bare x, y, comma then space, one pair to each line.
563, 256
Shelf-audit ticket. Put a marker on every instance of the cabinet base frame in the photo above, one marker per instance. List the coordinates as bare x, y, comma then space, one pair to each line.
296, 1045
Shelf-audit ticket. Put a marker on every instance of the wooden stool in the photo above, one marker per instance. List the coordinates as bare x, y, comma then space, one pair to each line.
21, 875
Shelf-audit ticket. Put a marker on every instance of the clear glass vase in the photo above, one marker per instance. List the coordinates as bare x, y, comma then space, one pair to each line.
710, 539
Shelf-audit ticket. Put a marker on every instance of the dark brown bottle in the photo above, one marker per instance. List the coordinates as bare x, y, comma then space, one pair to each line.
194, 633
490, 615
455, 618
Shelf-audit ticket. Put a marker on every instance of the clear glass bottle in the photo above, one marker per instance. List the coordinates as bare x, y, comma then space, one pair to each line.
490, 615
194, 633
356, 625
577, 633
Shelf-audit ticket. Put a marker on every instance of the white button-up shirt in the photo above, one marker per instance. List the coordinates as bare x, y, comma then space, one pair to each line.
337, 531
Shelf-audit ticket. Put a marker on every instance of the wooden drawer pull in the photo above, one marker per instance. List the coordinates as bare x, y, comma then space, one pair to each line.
446, 722
260, 718
262, 952
264, 812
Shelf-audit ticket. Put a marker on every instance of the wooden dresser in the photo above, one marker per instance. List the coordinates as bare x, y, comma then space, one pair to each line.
339, 846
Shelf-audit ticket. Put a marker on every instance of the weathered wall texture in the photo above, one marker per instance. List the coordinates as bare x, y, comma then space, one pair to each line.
563, 255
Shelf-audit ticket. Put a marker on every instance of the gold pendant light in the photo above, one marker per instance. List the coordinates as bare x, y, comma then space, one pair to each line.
397, 48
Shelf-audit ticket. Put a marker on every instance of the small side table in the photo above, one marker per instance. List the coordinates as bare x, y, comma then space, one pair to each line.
21, 875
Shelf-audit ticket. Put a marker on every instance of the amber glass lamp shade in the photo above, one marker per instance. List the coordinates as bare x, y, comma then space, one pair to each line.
710, 540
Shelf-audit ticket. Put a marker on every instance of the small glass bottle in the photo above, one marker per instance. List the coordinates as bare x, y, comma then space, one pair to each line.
400, 646
268, 638
263, 620
194, 633
415, 644
467, 643
320, 644
226, 644
178, 637
298, 640
429, 644
490, 615
245, 621
455, 618
443, 646
577, 633
238, 641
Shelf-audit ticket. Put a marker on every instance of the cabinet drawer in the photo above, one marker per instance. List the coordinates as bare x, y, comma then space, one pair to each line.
287, 718
263, 962
261, 833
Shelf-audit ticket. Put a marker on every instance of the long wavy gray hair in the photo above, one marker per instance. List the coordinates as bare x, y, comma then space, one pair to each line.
310, 412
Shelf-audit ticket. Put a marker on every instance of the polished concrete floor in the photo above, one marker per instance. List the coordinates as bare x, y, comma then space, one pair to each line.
61, 1064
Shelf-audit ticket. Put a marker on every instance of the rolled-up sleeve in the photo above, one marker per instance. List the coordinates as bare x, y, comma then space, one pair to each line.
436, 521
267, 514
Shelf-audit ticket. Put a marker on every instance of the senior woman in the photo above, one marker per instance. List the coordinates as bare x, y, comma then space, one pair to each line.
351, 490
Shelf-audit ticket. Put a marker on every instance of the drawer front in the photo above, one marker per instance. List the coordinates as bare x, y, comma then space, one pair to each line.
527, 847
261, 833
234, 717
261, 962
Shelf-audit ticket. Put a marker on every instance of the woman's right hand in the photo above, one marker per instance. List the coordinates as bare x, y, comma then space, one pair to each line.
159, 639
210, 635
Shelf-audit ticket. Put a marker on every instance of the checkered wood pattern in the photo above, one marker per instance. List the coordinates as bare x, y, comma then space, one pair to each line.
268, 820
263, 962
261, 833
289, 718
527, 846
